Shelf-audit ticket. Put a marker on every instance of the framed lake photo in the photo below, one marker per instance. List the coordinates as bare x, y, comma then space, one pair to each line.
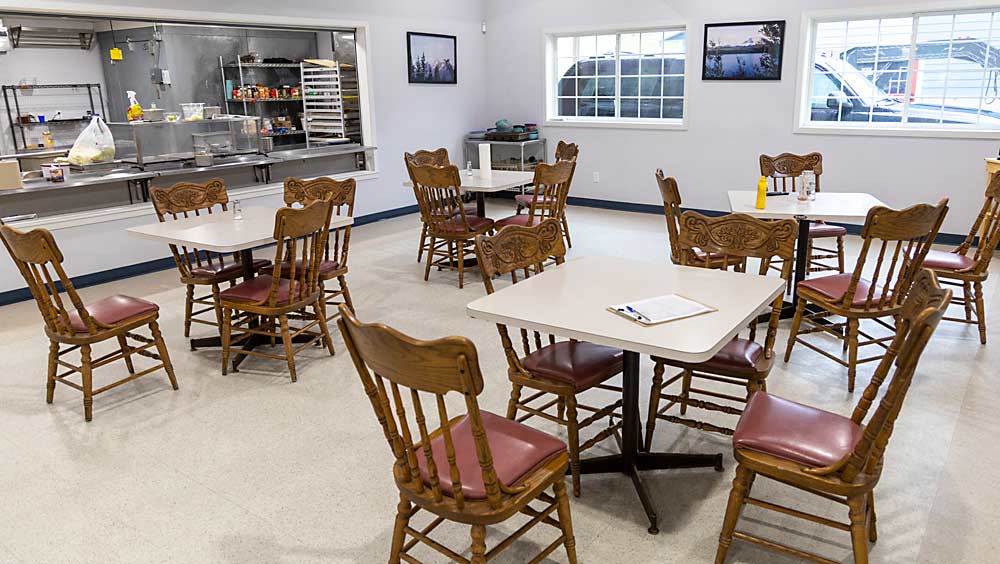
744, 51
432, 58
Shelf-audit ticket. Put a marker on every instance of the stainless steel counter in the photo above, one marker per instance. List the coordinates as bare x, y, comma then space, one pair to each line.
315, 152
76, 180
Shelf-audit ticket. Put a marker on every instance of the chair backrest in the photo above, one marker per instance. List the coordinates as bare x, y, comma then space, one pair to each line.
438, 157
519, 249
341, 195
188, 199
301, 234
671, 211
899, 240
397, 372
738, 237
552, 183
787, 168
923, 309
39, 261
986, 228
567, 151
437, 191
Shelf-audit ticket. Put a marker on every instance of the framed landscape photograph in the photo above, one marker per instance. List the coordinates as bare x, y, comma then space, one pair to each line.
743, 51
432, 58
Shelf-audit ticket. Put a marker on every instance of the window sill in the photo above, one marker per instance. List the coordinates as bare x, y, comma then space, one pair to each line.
674, 126
898, 132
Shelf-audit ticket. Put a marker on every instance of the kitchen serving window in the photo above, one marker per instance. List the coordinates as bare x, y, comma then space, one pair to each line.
627, 76
907, 71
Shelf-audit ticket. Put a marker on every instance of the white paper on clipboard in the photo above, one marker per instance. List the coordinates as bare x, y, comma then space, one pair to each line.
661, 309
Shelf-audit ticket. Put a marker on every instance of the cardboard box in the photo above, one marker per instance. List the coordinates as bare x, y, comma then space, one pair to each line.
10, 175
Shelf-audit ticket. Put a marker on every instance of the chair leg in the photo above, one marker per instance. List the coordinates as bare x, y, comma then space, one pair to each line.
126, 353
515, 397
478, 544
347, 293
654, 404
403, 513
685, 390
286, 339
573, 432
840, 254
800, 309
430, 259
319, 310
50, 385
423, 243
461, 263
737, 498
852, 352
188, 309
565, 226
565, 520
970, 297
872, 530
859, 533
980, 312
86, 370
217, 303
227, 332
161, 349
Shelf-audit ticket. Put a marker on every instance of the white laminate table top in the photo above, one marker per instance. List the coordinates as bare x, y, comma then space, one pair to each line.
571, 301
846, 207
221, 233
497, 181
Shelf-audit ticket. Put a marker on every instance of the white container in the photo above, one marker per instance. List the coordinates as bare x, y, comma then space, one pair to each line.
193, 111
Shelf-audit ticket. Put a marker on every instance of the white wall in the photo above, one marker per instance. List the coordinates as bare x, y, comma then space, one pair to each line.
729, 123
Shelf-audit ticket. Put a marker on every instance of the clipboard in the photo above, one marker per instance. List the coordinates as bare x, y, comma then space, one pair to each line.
661, 309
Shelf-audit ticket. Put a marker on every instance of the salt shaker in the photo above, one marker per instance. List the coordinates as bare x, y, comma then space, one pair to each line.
237, 210
807, 189
468, 168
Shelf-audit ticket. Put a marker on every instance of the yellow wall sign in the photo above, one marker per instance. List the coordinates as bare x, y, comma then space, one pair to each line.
116, 54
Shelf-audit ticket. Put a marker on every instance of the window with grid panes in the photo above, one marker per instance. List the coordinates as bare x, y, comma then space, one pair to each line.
625, 76
920, 70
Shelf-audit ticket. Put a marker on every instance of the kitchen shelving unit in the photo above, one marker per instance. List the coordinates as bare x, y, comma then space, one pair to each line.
281, 74
11, 97
323, 102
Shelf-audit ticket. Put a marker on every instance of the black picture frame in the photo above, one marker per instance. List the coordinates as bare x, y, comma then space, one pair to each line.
416, 75
715, 69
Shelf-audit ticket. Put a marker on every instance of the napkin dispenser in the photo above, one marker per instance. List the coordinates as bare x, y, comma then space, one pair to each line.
10, 175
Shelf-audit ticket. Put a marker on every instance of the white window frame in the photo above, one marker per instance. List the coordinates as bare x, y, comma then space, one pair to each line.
803, 98
552, 117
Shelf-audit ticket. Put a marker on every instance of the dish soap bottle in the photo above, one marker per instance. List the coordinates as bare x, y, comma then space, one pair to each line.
134, 109
761, 193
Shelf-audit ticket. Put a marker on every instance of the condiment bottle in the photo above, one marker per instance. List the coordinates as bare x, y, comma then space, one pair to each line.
761, 193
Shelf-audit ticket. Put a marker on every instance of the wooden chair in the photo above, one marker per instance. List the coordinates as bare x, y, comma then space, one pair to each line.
959, 268
438, 157
198, 267
450, 471
825, 454
333, 267
556, 372
437, 188
564, 152
672, 211
251, 306
552, 183
76, 326
788, 168
741, 362
900, 239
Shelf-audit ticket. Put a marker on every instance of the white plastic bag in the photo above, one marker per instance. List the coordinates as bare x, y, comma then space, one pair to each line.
94, 145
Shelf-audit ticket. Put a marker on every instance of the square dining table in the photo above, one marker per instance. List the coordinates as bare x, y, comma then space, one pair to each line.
221, 232
495, 181
571, 301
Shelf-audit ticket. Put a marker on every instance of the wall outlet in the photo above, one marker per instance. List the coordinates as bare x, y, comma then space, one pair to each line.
597, 177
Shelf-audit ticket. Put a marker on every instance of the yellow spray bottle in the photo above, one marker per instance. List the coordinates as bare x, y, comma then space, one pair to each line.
761, 193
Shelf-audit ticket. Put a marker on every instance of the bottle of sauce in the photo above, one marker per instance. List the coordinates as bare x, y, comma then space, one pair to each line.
47, 140
761, 193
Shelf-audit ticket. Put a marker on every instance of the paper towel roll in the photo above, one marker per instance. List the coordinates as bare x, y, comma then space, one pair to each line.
485, 160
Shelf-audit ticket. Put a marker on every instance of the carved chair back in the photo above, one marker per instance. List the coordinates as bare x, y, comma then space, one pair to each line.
341, 195
437, 190
899, 239
921, 312
301, 234
735, 238
188, 199
788, 167
986, 227
397, 373
552, 182
39, 261
517, 249
567, 151
671, 196
438, 157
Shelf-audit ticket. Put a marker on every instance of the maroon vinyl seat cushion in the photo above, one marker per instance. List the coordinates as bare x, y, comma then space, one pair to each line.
325, 268
516, 448
526, 199
796, 432
739, 356
476, 223
258, 289
834, 287
521, 220
583, 365
818, 230
471, 210
112, 311
940, 260
225, 268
